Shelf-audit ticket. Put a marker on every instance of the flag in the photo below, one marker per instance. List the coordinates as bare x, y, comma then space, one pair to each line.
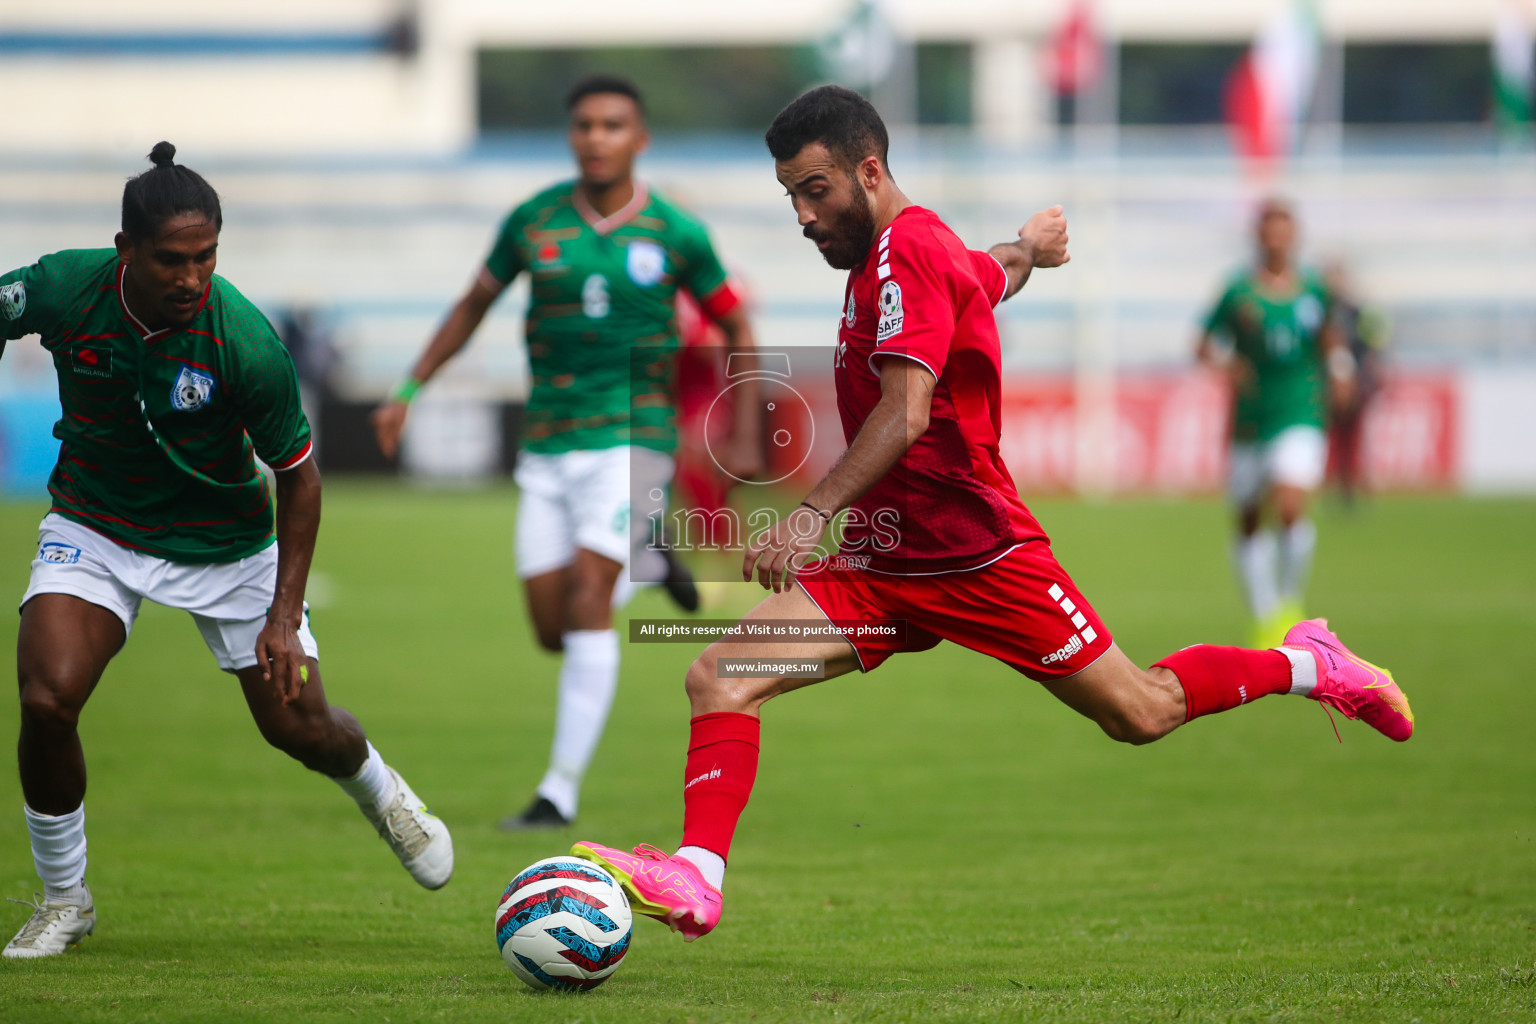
862, 50
1513, 70
1267, 93
1075, 56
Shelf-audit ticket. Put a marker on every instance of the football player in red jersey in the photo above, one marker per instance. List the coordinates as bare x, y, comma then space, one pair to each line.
946, 550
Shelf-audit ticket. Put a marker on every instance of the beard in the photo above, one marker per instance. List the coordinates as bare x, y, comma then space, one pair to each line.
851, 234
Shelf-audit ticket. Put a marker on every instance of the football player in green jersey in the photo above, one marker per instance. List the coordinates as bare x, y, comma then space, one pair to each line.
1272, 333
607, 256
172, 386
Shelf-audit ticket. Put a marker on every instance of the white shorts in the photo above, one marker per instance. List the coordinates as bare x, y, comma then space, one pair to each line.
1295, 457
228, 600
601, 499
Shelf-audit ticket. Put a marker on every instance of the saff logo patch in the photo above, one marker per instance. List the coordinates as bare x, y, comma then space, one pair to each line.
90, 361
58, 554
853, 310
13, 300
191, 390
891, 315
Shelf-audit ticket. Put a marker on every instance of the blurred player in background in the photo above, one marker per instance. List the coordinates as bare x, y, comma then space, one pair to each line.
173, 385
1271, 334
701, 387
918, 377
1365, 330
607, 256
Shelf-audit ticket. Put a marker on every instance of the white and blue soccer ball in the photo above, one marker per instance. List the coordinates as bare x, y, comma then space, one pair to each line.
563, 924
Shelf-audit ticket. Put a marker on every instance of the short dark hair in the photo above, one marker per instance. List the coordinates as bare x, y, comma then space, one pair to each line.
838, 118
1276, 206
165, 190
595, 85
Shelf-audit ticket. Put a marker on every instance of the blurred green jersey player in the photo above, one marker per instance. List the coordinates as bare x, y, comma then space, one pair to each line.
172, 385
606, 256
1271, 333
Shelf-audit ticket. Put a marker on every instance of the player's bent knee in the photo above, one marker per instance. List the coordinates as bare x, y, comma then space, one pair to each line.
44, 702
1132, 726
709, 692
297, 735
700, 683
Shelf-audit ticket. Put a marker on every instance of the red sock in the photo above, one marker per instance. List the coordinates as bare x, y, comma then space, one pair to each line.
722, 765
1220, 678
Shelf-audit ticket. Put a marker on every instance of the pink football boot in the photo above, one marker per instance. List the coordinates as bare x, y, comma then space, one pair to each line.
669, 889
1352, 684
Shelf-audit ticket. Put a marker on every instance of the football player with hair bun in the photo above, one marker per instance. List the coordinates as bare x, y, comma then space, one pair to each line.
606, 256
173, 386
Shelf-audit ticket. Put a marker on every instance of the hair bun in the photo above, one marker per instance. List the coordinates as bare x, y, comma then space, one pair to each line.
163, 155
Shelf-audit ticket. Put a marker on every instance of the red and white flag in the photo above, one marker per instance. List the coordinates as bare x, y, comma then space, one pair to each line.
1075, 56
1267, 93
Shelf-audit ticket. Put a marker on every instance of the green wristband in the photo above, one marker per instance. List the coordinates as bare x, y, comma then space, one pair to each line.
406, 390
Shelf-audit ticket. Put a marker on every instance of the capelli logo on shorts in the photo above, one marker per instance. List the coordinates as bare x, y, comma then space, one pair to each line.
1068, 650
58, 554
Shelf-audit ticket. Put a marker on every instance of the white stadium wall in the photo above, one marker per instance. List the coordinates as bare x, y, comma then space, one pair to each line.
1497, 436
294, 77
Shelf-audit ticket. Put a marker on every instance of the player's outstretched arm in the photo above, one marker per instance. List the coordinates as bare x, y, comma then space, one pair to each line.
278, 650
895, 423
1042, 243
1339, 362
452, 335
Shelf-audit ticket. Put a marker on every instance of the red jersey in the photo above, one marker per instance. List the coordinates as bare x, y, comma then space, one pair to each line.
949, 504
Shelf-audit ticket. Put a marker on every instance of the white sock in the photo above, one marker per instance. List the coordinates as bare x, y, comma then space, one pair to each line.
1303, 670
373, 787
1255, 558
1296, 546
624, 588
710, 864
647, 565
58, 849
589, 676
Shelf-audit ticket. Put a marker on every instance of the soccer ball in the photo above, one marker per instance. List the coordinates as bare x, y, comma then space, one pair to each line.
563, 924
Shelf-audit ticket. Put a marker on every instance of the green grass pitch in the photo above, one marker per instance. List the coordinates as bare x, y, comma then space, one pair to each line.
939, 841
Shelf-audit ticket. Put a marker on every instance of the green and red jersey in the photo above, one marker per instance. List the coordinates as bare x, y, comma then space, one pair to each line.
161, 429
1281, 337
601, 327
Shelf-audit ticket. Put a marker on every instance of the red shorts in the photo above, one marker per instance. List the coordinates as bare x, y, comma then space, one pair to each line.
1022, 609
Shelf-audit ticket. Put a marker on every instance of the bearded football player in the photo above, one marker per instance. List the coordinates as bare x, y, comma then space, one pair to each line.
918, 375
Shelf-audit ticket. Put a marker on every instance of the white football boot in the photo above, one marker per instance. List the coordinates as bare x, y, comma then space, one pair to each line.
418, 837
53, 927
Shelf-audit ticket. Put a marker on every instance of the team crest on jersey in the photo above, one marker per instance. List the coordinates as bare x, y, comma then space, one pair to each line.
1309, 313
853, 310
646, 262
191, 390
891, 315
13, 300
89, 361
